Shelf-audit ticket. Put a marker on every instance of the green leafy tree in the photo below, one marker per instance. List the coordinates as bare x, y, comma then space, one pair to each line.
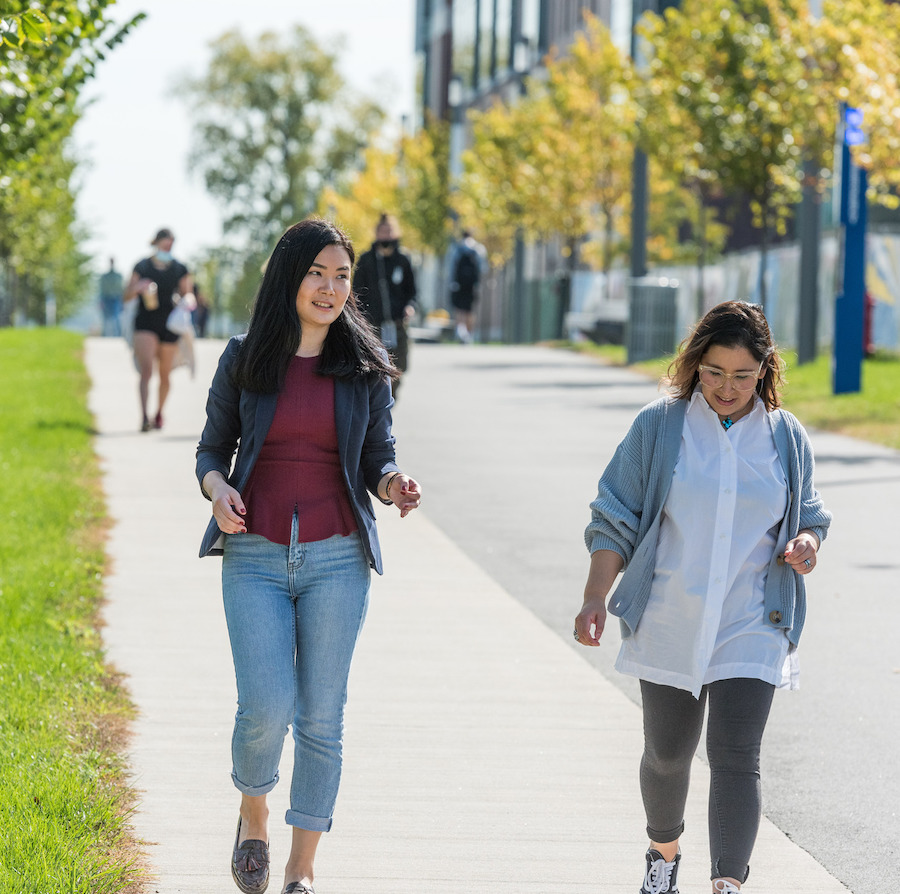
48, 55
583, 158
852, 52
361, 200
408, 178
557, 163
274, 125
724, 104
423, 191
489, 193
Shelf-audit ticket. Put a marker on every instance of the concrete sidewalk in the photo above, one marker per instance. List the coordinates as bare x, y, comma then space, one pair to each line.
481, 754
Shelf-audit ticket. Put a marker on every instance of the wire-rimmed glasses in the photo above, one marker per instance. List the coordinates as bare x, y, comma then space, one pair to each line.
713, 377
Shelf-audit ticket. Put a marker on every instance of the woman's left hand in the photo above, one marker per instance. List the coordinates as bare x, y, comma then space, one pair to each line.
404, 493
800, 553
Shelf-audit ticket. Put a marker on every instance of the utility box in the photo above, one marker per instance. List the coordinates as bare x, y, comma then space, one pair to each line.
652, 311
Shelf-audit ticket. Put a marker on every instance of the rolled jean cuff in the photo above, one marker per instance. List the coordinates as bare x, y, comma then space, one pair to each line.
307, 822
665, 837
254, 790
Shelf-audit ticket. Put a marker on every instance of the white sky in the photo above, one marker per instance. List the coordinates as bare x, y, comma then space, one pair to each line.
134, 136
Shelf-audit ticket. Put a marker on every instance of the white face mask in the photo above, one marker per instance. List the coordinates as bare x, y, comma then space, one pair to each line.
164, 256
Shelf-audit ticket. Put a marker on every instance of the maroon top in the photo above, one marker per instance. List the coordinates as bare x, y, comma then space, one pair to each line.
299, 466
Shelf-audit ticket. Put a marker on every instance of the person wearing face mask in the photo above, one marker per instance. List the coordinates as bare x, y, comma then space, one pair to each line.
158, 283
386, 286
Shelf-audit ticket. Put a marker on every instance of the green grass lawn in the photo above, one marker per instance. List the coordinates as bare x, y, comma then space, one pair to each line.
63, 716
873, 414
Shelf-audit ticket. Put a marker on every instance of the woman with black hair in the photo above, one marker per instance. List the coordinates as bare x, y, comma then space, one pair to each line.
709, 507
305, 400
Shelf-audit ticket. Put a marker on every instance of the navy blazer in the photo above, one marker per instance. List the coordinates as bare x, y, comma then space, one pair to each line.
240, 420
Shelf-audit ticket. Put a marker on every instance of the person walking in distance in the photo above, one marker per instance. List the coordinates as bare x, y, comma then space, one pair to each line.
111, 300
468, 260
303, 405
157, 284
708, 506
386, 286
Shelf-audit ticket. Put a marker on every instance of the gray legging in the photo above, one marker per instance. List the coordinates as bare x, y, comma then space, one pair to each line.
673, 718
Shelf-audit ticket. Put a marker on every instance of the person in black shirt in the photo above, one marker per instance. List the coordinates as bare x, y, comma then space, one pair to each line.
386, 291
158, 283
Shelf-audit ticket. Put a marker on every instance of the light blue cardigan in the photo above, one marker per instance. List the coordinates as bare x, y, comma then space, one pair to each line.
626, 515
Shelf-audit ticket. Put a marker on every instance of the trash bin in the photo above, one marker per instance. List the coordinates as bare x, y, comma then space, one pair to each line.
651, 318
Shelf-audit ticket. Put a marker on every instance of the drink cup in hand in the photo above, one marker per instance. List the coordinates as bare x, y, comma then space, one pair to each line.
151, 298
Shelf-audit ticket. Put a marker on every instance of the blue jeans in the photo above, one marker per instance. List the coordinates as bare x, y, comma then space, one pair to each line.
294, 615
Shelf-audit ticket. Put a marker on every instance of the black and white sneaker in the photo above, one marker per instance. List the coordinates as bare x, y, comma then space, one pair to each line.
661, 877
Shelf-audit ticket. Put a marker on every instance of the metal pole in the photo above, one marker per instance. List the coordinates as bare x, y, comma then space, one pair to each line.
639, 165
810, 225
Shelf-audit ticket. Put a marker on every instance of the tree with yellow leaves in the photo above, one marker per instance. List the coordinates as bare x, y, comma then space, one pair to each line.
408, 179
557, 163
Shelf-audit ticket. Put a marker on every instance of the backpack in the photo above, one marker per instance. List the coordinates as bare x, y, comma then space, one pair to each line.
468, 270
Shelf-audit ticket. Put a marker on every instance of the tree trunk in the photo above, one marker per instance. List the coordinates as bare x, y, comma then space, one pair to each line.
701, 258
607, 255
764, 258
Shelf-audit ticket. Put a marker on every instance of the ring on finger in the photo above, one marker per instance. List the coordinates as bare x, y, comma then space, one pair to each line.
807, 563
575, 633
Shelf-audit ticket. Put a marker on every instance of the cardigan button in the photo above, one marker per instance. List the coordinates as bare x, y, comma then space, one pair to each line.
775, 617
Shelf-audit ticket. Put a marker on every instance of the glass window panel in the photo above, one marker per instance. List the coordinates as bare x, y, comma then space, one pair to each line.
531, 21
464, 29
486, 42
502, 32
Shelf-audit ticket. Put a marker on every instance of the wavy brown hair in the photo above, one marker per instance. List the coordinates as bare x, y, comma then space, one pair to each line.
732, 324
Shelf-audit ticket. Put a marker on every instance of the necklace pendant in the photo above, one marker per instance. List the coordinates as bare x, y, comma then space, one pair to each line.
727, 422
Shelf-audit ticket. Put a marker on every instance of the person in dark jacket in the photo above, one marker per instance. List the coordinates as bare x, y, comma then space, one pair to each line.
305, 400
386, 290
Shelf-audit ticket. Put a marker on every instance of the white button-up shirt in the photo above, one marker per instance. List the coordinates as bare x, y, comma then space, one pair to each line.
704, 620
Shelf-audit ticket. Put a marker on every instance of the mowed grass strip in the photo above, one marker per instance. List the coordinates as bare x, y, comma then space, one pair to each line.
64, 805
872, 414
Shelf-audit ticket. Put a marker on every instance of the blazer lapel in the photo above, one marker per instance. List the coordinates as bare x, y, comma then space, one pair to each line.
265, 413
344, 399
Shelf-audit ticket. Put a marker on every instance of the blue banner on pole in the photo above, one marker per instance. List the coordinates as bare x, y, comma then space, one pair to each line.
849, 308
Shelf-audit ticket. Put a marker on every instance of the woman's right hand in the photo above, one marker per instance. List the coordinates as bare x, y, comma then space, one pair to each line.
590, 621
227, 505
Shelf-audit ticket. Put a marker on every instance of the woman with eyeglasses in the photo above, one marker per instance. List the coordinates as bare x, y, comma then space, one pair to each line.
708, 508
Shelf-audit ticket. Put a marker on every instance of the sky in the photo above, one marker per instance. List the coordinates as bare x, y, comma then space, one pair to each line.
134, 136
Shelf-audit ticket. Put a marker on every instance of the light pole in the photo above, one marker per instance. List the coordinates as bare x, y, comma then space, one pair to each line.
809, 220
521, 68
457, 135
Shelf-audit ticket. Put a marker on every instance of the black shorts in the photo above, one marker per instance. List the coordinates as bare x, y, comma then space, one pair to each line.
155, 321
463, 299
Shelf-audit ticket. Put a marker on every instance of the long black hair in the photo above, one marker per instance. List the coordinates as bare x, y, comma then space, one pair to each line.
351, 348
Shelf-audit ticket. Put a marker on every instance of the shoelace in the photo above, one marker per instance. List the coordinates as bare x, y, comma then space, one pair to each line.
659, 874
725, 887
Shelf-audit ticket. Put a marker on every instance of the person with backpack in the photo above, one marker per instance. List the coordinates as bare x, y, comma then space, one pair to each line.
466, 275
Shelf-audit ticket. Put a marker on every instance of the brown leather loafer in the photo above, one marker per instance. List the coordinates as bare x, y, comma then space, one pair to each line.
250, 863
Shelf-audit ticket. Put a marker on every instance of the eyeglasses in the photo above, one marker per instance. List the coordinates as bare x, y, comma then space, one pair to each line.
715, 378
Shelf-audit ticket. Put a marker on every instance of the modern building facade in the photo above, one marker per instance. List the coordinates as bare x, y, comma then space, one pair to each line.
490, 44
